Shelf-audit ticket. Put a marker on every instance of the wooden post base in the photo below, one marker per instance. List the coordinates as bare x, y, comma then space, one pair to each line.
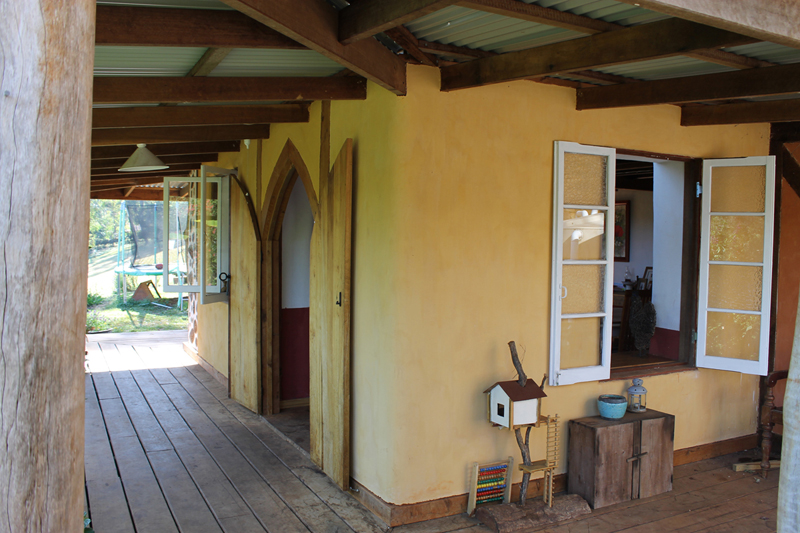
512, 518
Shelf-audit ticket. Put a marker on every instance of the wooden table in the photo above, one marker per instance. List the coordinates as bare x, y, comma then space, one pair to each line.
612, 461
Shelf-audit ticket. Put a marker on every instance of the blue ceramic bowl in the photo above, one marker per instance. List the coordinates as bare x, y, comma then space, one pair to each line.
612, 406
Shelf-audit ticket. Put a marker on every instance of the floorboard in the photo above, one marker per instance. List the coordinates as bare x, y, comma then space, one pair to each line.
167, 450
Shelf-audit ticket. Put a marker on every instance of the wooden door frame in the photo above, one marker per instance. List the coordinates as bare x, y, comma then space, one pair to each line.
288, 169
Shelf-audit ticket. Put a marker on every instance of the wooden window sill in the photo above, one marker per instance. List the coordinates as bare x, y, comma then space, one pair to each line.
649, 370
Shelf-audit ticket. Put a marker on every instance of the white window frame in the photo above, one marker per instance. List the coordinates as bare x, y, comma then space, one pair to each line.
761, 366
219, 291
569, 376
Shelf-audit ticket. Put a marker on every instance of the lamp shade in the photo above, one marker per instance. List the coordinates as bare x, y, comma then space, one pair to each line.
142, 160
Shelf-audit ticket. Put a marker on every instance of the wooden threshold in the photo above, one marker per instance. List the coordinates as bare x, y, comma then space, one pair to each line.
297, 402
397, 515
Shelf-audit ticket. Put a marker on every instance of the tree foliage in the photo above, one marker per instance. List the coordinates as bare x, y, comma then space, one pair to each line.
103, 222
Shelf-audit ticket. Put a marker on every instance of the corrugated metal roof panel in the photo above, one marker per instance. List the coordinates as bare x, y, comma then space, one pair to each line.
145, 60
184, 4
461, 26
667, 67
775, 53
257, 62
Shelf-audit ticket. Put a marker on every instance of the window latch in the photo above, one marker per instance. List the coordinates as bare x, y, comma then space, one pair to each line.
339, 300
699, 190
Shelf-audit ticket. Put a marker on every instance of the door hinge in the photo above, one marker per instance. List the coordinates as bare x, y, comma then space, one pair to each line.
694, 336
699, 190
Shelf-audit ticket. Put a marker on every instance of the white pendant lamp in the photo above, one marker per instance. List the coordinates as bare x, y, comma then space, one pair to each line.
142, 160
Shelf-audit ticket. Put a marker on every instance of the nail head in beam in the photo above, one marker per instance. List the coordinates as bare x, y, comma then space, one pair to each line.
107, 137
142, 117
157, 26
743, 113
664, 38
173, 90
166, 149
365, 18
784, 79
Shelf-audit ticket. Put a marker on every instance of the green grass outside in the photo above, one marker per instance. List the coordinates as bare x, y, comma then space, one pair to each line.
106, 311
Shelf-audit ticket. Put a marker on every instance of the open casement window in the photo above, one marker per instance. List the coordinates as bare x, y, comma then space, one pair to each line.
736, 264
583, 263
197, 240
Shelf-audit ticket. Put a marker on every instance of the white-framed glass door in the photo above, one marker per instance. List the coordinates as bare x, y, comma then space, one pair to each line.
583, 263
736, 264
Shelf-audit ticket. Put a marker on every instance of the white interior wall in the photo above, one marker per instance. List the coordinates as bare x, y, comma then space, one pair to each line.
641, 246
298, 223
668, 180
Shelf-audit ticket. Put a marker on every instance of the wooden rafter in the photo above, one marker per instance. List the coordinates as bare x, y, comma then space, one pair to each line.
452, 50
742, 113
116, 174
209, 61
142, 117
649, 41
583, 24
166, 159
168, 149
124, 90
315, 24
139, 193
109, 136
156, 26
783, 79
365, 18
410, 44
773, 20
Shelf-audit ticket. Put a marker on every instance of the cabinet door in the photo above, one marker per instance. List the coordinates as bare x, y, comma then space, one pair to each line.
656, 466
614, 471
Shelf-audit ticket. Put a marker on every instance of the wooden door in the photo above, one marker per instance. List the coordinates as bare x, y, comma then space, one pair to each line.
331, 336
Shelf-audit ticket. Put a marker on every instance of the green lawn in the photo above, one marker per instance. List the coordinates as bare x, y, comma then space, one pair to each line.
106, 310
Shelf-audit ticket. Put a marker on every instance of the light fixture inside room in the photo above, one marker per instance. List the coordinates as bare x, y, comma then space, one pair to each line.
142, 160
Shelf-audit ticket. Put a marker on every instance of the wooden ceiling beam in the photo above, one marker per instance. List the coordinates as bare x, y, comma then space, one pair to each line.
105, 185
157, 26
209, 61
168, 149
583, 24
783, 79
315, 24
139, 193
777, 21
167, 159
365, 18
410, 44
541, 15
451, 50
108, 137
125, 90
143, 117
649, 41
742, 113
115, 173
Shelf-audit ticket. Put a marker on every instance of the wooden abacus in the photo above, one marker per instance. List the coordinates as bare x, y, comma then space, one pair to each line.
490, 482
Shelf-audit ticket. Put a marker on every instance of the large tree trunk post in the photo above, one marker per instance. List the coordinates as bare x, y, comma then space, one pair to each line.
46, 53
523, 444
789, 492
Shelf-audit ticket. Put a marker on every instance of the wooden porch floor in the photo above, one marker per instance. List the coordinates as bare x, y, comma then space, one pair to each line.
167, 451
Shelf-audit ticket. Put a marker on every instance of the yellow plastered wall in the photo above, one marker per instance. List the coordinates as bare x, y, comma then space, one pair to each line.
452, 259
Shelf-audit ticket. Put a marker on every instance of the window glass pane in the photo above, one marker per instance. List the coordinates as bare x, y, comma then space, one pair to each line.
211, 233
734, 287
738, 189
733, 335
585, 287
585, 179
584, 234
183, 238
581, 342
733, 238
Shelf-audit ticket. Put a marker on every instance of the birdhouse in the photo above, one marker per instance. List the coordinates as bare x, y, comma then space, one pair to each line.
511, 405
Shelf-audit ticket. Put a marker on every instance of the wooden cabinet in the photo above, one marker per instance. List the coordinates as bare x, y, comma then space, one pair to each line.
612, 461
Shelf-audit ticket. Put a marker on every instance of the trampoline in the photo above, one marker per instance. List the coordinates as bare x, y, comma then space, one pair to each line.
140, 244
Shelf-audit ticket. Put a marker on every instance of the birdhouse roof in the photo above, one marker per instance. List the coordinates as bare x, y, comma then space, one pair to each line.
518, 394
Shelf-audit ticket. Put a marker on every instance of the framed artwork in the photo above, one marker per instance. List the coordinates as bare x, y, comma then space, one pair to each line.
622, 231
648, 278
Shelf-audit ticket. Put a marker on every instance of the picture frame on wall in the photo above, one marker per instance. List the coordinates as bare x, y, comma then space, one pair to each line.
648, 278
622, 231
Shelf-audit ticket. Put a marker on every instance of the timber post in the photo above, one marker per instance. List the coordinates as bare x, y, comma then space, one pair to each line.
47, 50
